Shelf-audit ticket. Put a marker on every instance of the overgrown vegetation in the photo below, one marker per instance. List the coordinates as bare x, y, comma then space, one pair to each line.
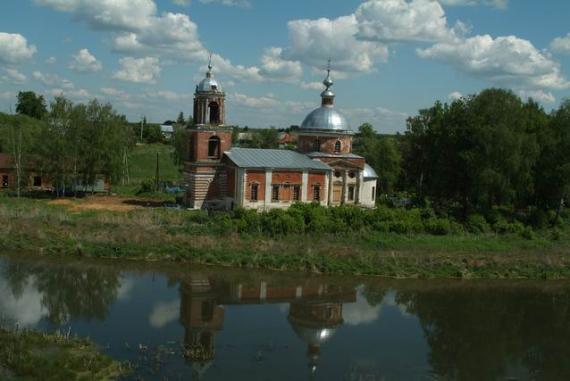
387, 242
30, 355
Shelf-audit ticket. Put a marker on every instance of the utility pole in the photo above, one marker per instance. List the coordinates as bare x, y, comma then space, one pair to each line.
157, 174
141, 129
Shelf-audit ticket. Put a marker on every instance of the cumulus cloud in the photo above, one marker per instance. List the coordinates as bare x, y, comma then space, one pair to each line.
538, 95
13, 75
383, 119
231, 3
561, 44
501, 4
53, 80
455, 95
139, 70
182, 3
313, 42
51, 60
360, 312
400, 20
107, 14
506, 61
84, 62
14, 48
25, 309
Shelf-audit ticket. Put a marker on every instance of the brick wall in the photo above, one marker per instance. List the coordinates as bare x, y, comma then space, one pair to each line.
327, 143
257, 177
316, 178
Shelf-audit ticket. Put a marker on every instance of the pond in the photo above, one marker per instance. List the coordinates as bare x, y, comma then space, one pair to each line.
176, 322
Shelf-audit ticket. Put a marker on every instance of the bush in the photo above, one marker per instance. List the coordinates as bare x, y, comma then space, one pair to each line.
539, 219
437, 226
527, 233
477, 224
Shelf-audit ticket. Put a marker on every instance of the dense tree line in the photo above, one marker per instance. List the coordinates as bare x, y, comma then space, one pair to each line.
70, 144
476, 154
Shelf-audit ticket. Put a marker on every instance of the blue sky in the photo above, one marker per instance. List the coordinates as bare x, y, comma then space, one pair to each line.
389, 57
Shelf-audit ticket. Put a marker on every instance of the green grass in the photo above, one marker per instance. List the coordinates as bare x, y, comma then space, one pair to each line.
158, 234
30, 355
142, 168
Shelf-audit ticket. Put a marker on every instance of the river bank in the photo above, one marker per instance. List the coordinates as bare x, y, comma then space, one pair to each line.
159, 234
27, 354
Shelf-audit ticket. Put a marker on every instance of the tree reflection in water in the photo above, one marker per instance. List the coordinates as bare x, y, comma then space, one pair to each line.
68, 291
497, 332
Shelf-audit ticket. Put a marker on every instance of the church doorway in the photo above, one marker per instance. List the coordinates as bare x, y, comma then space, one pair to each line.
337, 193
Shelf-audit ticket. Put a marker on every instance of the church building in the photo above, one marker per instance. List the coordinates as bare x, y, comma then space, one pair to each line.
322, 170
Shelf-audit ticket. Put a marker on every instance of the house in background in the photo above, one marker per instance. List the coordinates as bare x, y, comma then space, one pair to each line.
167, 130
36, 180
322, 170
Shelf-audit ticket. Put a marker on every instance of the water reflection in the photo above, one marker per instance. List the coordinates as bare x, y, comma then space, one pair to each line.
315, 312
217, 325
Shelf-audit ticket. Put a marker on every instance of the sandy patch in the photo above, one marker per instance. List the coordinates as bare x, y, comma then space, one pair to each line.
106, 203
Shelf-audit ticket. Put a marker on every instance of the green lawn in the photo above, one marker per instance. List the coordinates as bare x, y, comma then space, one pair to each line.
142, 168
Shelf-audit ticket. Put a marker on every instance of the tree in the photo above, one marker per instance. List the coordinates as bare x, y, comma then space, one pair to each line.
180, 120
31, 104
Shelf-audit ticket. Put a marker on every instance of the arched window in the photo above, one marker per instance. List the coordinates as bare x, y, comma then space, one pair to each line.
214, 147
254, 191
337, 146
317, 145
214, 113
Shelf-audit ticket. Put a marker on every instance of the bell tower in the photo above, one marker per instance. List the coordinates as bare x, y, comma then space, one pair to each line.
205, 175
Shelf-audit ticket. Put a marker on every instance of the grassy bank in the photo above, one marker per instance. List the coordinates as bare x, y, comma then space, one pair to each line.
388, 244
30, 355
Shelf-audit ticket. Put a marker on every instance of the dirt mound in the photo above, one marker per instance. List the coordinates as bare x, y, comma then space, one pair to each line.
106, 203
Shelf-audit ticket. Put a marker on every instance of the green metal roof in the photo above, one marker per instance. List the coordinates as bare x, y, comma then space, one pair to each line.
273, 158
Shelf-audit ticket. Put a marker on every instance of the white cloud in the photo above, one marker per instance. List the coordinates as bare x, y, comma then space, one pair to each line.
107, 14
400, 20
455, 96
264, 102
231, 3
139, 70
182, 3
164, 313
275, 67
125, 289
360, 312
26, 309
501, 4
538, 95
383, 119
13, 75
313, 42
53, 80
14, 48
506, 61
51, 60
84, 62
79, 94
561, 44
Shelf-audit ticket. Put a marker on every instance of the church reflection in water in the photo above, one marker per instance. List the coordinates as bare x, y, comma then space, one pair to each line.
315, 312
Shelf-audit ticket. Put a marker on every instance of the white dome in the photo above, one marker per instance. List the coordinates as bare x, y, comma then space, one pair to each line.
325, 118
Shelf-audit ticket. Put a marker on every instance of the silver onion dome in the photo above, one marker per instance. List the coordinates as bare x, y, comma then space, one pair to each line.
209, 84
369, 172
326, 117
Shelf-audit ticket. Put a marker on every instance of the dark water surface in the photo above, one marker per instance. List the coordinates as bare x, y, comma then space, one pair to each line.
182, 322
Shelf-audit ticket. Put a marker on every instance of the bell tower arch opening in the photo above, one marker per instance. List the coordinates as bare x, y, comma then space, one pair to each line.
214, 147
214, 113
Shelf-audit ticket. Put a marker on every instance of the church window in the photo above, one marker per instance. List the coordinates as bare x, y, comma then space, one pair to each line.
254, 192
214, 147
337, 146
351, 174
275, 193
351, 193
37, 181
373, 193
316, 193
337, 173
296, 193
5, 181
317, 145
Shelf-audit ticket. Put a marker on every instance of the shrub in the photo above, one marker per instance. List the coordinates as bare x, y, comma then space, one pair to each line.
527, 233
437, 226
476, 224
